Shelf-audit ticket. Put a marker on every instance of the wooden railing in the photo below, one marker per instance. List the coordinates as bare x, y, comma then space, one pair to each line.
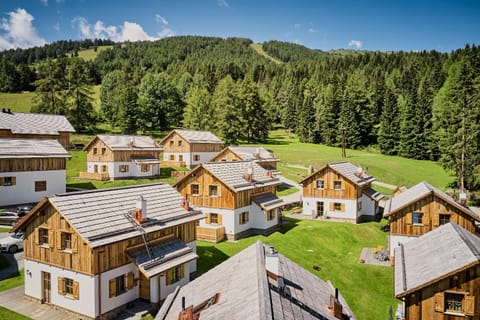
211, 234
94, 176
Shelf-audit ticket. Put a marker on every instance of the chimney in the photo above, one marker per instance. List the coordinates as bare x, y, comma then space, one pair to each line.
185, 204
269, 173
257, 153
249, 174
140, 212
186, 314
335, 305
132, 142
359, 172
462, 198
272, 263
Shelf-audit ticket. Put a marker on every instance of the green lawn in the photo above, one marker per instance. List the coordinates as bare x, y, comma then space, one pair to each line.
91, 54
389, 169
333, 246
18, 102
6, 314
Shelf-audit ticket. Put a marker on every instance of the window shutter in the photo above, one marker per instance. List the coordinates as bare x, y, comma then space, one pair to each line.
60, 285
453, 218
219, 218
240, 220
130, 280
342, 207
76, 293
248, 217
74, 242
2, 181
409, 218
58, 239
469, 306
332, 207
112, 286
438, 300
207, 218
51, 241
342, 185
435, 220
14, 181
182, 271
36, 237
169, 277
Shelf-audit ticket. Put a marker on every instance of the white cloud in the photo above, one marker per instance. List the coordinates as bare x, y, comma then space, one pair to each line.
44, 2
129, 31
161, 19
223, 3
56, 27
355, 43
19, 31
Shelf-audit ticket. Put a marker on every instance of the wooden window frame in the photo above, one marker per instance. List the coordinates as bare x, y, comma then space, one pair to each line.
196, 157
95, 168
175, 274
179, 143
104, 151
213, 218
270, 214
40, 185
66, 241
124, 168
171, 143
337, 206
104, 168
171, 157
244, 217
43, 236
11, 181
454, 294
337, 182
121, 284
212, 187
145, 168
68, 287
95, 151
441, 218
322, 183
194, 189
415, 216
180, 157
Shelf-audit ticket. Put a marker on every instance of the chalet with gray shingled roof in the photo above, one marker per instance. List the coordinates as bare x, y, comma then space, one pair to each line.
111, 157
18, 125
340, 191
421, 209
93, 252
31, 170
237, 199
257, 154
257, 283
189, 148
437, 275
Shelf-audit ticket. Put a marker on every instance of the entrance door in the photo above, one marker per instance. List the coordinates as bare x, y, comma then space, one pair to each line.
46, 287
319, 208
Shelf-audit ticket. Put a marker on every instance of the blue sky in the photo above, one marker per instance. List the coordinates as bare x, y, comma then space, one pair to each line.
367, 25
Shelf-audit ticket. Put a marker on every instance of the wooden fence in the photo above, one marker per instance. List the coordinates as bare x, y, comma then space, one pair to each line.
211, 234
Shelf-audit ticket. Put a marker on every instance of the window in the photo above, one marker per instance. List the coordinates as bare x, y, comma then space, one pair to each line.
175, 274
213, 191
171, 143
180, 157
104, 168
337, 185
67, 286
123, 168
270, 214
179, 143
104, 150
8, 181
337, 206
320, 184
214, 218
145, 168
66, 240
453, 302
243, 218
95, 168
171, 157
43, 236
194, 189
40, 186
95, 151
444, 219
196, 157
121, 284
417, 218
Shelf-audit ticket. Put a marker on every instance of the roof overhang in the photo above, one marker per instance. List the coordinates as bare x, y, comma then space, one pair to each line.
268, 202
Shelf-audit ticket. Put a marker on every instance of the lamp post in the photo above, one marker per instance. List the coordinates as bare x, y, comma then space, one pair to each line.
342, 128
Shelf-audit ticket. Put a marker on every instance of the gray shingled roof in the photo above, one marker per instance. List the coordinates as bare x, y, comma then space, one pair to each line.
31, 123
233, 174
269, 201
99, 215
351, 172
249, 153
433, 256
31, 148
418, 192
198, 136
129, 142
247, 293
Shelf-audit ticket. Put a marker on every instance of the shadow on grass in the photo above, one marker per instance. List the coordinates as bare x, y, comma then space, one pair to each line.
81, 185
288, 224
209, 257
277, 141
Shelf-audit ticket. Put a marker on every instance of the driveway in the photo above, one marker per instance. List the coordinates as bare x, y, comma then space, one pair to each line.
15, 260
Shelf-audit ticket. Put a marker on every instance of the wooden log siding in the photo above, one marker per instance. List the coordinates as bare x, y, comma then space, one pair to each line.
205, 147
34, 164
431, 207
428, 303
63, 138
348, 189
168, 147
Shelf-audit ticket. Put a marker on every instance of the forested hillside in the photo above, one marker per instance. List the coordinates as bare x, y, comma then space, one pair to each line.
421, 105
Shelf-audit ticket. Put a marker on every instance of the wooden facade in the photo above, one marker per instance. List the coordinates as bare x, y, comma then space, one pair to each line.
32, 164
101, 152
227, 154
46, 246
63, 137
334, 186
175, 143
435, 300
435, 211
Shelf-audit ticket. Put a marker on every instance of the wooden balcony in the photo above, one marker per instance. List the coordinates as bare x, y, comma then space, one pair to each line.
211, 234
94, 176
173, 164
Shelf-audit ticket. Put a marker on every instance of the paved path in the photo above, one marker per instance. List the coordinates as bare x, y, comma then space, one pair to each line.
385, 185
294, 197
15, 260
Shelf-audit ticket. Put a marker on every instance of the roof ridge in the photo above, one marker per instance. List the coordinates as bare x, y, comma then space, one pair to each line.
106, 189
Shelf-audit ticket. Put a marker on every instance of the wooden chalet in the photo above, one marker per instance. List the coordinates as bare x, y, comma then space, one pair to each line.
259, 155
437, 275
237, 198
31, 169
340, 191
17, 125
111, 157
93, 252
421, 209
256, 283
188, 148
